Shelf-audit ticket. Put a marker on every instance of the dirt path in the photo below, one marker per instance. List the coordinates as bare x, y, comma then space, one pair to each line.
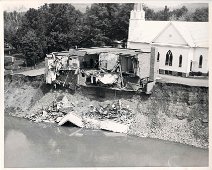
33, 72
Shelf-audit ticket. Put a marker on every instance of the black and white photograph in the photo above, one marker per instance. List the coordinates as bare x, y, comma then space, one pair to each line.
122, 84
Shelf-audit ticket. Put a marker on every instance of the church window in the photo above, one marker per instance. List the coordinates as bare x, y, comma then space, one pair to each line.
200, 61
169, 58
180, 61
158, 57
191, 65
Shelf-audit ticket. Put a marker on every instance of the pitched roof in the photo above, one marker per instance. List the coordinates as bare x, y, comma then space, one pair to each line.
146, 31
194, 33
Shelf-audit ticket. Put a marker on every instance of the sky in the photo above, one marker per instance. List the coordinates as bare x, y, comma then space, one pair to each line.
20, 5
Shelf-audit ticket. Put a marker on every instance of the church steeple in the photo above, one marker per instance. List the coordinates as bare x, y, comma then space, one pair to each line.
138, 7
137, 12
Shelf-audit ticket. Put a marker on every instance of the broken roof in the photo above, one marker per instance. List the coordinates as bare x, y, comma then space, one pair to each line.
74, 52
120, 51
97, 50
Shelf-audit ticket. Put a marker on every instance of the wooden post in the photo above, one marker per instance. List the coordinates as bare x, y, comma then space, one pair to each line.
122, 83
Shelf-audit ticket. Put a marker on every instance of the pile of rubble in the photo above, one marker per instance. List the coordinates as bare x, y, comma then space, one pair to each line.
114, 111
53, 113
100, 111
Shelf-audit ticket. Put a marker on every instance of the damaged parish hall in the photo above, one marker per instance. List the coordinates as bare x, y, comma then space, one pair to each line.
106, 67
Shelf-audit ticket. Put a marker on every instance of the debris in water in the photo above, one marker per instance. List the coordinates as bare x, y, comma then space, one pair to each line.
73, 118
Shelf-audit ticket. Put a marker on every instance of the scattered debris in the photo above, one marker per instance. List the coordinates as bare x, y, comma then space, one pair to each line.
114, 126
59, 119
89, 115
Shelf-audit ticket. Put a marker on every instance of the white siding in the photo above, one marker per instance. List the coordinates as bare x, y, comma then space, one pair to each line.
197, 53
141, 33
176, 52
139, 45
170, 36
134, 32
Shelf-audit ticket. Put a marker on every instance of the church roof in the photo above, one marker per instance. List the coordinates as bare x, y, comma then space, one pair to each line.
194, 33
150, 29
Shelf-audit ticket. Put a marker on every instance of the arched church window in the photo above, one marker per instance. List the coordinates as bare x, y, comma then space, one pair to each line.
158, 57
180, 61
169, 58
200, 61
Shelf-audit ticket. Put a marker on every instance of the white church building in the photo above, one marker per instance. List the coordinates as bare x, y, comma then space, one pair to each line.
182, 46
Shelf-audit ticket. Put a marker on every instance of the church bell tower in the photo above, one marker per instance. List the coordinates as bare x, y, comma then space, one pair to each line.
138, 12
136, 23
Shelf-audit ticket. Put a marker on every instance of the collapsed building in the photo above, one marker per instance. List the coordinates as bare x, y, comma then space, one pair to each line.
114, 68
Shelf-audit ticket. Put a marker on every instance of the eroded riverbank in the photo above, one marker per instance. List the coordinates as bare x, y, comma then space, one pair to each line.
172, 112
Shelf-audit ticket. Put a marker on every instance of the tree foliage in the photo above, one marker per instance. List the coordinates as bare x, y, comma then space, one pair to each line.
52, 27
57, 27
201, 15
32, 49
12, 21
106, 23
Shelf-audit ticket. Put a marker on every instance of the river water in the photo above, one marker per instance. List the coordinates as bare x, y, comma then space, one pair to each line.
29, 144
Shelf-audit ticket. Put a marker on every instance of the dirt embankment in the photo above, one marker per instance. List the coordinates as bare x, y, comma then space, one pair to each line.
172, 112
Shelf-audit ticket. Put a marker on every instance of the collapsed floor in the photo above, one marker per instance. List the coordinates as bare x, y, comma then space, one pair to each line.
172, 112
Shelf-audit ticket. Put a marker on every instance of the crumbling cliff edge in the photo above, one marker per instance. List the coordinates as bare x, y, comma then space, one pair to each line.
172, 112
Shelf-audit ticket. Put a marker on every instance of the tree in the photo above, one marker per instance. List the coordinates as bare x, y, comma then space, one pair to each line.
56, 27
31, 47
149, 13
122, 22
162, 15
179, 14
100, 20
166, 14
106, 23
201, 15
12, 21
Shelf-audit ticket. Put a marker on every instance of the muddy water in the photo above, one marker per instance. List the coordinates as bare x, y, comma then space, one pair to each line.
29, 144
